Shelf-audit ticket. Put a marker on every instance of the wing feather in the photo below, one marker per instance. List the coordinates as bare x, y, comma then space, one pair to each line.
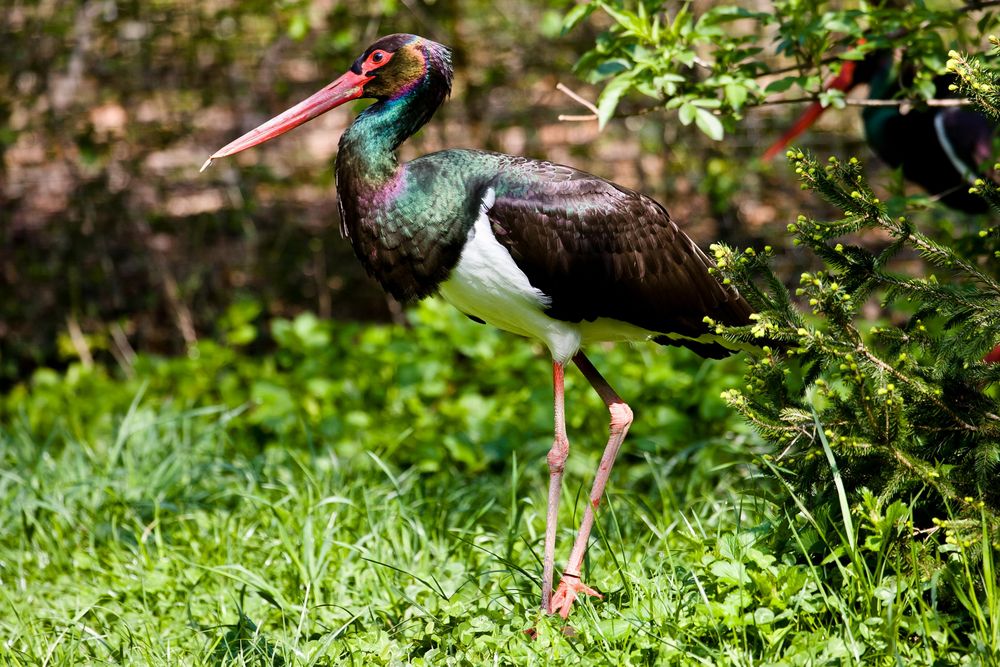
602, 251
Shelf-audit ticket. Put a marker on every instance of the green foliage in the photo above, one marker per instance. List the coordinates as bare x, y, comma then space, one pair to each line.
976, 80
711, 67
442, 394
191, 517
902, 405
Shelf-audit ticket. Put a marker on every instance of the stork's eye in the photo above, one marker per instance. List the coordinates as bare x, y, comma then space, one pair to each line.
378, 58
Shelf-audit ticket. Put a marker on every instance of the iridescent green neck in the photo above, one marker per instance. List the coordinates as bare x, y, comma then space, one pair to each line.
369, 144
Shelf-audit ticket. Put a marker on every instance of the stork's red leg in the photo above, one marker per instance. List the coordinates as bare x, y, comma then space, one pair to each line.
621, 418
557, 463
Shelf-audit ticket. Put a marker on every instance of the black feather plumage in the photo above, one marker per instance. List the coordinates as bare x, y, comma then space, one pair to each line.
600, 250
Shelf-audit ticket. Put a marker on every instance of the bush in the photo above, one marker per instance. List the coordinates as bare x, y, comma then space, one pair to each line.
895, 406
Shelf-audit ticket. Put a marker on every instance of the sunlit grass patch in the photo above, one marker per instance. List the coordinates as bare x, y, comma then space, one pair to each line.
139, 525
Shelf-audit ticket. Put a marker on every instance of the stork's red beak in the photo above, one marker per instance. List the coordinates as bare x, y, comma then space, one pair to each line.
348, 87
843, 81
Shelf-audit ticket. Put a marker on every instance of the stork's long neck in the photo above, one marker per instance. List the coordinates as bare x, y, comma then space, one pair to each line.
379, 201
367, 153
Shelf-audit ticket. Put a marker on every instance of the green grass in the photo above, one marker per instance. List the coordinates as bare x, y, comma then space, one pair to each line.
376, 496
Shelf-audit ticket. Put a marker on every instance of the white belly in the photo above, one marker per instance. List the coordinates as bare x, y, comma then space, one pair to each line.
487, 284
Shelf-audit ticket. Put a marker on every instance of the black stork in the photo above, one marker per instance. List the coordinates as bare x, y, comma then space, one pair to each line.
534, 248
941, 149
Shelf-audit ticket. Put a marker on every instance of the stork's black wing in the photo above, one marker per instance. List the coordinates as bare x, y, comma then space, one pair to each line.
601, 250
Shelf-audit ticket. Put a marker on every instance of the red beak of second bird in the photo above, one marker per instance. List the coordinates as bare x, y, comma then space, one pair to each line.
843, 81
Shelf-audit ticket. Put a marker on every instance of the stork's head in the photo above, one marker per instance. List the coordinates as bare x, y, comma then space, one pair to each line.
394, 68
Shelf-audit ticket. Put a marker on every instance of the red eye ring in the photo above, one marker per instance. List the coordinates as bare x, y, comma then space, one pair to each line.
377, 57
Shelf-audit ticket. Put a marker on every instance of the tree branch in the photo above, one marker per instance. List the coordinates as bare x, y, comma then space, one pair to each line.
566, 90
865, 102
849, 101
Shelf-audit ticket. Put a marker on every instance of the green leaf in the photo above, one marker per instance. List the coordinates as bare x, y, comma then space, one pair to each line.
736, 95
708, 123
781, 85
839, 25
854, 54
576, 15
612, 93
732, 572
685, 57
686, 113
613, 629
833, 98
665, 85
612, 67
707, 103
628, 20
763, 616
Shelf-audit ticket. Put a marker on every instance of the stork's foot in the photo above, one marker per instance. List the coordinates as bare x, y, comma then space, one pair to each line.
568, 590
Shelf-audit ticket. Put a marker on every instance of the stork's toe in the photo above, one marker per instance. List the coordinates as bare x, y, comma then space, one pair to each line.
569, 589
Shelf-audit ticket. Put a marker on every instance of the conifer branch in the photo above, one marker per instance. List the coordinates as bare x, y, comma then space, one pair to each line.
906, 406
